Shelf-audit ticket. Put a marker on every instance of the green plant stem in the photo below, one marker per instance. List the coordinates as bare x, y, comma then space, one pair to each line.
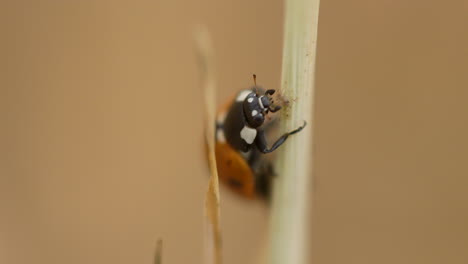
292, 189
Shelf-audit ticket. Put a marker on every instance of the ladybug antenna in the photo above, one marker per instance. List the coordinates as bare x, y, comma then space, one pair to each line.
255, 83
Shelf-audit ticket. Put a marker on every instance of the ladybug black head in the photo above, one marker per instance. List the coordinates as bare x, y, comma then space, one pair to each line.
256, 107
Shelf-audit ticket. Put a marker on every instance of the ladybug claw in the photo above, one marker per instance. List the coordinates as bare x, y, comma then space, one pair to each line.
276, 109
270, 92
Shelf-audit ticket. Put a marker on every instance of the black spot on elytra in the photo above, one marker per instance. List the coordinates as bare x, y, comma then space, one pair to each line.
235, 183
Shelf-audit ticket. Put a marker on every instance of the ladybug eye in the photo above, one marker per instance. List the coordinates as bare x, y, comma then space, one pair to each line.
265, 101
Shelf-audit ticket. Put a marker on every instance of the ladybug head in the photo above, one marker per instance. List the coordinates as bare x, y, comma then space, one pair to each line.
256, 107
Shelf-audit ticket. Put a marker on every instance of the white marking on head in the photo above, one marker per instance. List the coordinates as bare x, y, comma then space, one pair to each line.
242, 95
220, 135
254, 112
248, 134
260, 102
250, 100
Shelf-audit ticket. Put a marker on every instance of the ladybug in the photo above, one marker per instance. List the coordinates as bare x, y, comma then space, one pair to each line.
241, 140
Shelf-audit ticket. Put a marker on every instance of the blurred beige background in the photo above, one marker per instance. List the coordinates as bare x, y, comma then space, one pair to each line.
101, 128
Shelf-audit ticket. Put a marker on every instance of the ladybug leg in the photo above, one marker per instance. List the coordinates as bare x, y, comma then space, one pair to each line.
276, 109
260, 140
263, 179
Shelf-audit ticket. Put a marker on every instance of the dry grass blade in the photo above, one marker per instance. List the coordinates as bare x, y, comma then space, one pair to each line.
212, 215
292, 191
158, 252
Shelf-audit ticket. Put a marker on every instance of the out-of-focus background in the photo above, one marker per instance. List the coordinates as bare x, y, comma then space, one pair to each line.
101, 129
